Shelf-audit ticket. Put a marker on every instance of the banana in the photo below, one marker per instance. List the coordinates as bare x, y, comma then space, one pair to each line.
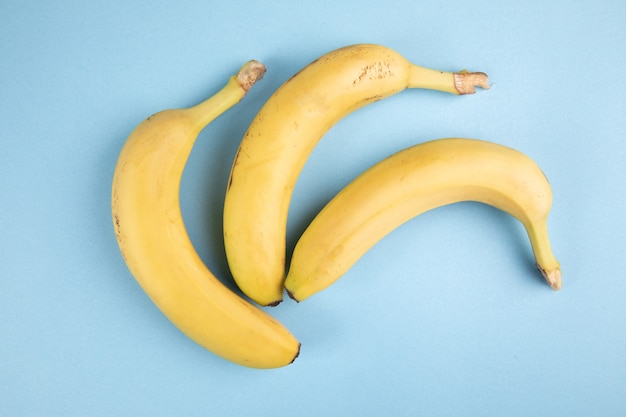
155, 245
281, 138
411, 182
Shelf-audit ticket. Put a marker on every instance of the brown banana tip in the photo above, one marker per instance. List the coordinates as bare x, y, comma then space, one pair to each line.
552, 277
293, 297
466, 82
297, 354
250, 73
273, 304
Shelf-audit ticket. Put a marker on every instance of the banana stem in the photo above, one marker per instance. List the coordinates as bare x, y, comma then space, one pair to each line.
237, 87
250, 73
458, 83
465, 82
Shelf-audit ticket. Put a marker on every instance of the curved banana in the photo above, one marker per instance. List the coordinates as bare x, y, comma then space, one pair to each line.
281, 138
411, 182
155, 245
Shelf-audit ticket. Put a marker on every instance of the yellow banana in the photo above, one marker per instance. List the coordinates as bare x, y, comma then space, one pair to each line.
413, 181
281, 138
155, 245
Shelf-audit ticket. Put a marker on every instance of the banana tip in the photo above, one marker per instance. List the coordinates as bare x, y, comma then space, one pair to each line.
293, 297
297, 354
553, 277
273, 303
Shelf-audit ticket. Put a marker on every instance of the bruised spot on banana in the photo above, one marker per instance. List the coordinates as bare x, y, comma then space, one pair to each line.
411, 182
155, 245
284, 133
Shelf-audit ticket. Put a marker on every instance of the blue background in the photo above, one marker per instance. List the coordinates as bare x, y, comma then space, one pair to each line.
444, 317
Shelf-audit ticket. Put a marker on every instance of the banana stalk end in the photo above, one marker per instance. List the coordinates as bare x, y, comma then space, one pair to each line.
250, 73
466, 82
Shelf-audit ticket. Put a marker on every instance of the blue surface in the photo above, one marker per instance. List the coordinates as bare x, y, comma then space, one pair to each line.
446, 316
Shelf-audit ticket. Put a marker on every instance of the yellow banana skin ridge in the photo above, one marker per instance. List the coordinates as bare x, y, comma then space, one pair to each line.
283, 135
411, 182
154, 242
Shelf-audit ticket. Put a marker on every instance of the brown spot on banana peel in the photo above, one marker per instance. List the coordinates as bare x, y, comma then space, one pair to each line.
372, 99
230, 179
119, 235
465, 82
376, 71
118, 229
